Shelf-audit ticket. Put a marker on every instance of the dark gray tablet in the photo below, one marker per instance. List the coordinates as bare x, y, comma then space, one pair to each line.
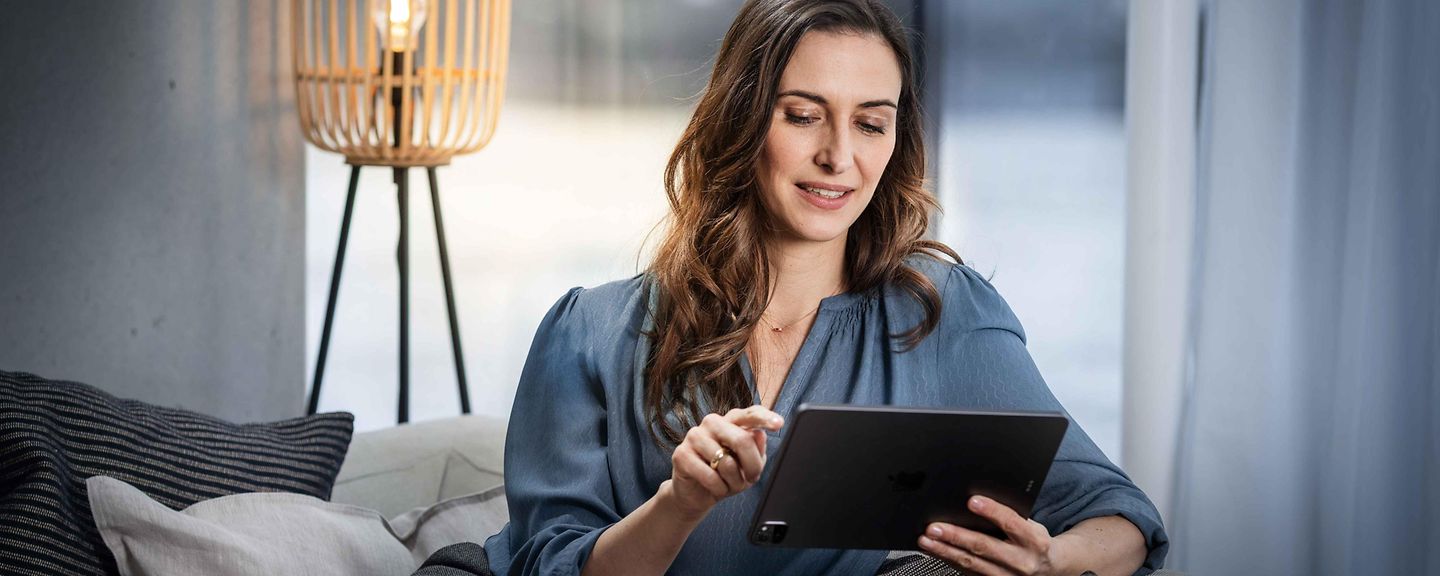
876, 476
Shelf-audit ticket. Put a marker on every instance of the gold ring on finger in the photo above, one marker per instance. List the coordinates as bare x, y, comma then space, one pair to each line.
719, 456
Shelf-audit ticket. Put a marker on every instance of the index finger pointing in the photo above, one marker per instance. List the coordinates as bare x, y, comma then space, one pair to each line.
756, 417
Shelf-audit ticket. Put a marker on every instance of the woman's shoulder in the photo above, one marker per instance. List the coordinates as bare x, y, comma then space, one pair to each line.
613, 294
609, 306
968, 301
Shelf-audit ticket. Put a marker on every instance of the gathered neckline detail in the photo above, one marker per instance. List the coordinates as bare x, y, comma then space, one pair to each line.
846, 300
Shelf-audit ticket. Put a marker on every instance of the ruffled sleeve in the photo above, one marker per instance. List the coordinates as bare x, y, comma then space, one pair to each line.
557, 487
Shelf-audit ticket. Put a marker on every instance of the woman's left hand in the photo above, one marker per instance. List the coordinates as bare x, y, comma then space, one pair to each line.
1028, 550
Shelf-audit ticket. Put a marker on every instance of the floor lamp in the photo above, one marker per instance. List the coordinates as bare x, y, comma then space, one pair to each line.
400, 84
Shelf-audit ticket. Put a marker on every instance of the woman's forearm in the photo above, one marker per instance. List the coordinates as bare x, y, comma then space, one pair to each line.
1106, 545
644, 542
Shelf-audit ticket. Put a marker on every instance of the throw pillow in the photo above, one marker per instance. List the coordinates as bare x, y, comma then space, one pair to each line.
264, 534
54, 435
469, 518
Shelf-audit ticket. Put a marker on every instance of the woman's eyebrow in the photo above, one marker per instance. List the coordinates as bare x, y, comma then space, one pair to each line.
818, 99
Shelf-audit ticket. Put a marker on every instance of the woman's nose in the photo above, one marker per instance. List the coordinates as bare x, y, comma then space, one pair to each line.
836, 154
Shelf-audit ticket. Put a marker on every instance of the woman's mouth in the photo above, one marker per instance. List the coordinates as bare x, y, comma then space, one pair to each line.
823, 193
824, 196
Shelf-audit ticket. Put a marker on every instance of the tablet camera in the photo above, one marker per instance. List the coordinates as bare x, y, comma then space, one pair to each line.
771, 533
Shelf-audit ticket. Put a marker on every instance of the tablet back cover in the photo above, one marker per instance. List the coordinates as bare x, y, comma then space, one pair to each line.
876, 477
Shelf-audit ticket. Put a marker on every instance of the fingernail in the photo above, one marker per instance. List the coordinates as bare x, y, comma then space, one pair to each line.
926, 542
934, 531
976, 503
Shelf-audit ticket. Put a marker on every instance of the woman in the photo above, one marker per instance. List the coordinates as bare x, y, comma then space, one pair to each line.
795, 270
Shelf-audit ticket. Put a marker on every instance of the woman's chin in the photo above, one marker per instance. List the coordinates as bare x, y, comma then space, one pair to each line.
818, 234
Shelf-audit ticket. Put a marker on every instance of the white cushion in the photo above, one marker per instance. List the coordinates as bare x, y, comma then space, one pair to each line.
277, 533
400, 468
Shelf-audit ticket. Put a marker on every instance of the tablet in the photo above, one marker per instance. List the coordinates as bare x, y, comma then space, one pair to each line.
876, 476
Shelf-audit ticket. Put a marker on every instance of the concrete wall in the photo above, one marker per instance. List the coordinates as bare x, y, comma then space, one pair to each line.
152, 202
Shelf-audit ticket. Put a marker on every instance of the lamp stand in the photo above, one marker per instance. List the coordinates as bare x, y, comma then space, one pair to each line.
402, 184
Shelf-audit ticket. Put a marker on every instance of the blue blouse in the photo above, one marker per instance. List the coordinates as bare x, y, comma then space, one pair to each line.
579, 455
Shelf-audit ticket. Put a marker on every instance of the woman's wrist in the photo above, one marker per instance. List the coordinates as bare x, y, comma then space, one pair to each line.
647, 540
1064, 557
668, 503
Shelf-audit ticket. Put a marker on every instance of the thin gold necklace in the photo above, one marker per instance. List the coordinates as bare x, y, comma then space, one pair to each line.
781, 329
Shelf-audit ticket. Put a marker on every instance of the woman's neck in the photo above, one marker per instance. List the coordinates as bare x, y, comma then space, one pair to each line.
802, 274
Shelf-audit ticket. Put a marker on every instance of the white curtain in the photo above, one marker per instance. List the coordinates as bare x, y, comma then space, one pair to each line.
1309, 437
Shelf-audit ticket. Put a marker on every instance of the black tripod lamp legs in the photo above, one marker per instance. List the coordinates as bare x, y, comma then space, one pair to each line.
402, 182
334, 292
449, 294
403, 258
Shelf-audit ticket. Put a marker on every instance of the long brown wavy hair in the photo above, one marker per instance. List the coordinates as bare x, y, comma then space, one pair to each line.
711, 269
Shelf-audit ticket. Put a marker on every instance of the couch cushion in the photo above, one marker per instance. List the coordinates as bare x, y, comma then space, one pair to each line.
54, 435
415, 465
468, 518
265, 534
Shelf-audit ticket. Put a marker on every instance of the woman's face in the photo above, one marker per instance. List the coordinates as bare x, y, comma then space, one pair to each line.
831, 135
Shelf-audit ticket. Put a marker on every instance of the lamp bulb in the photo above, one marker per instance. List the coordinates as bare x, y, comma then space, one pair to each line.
399, 23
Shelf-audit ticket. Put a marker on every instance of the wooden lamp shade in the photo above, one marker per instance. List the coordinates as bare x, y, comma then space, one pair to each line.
413, 91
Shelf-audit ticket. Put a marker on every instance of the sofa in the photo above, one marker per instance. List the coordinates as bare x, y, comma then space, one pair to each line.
93, 484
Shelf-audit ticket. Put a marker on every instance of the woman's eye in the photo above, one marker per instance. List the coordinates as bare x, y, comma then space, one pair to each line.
872, 128
799, 120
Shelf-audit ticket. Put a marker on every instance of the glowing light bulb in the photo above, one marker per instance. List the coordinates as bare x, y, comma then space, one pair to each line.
399, 22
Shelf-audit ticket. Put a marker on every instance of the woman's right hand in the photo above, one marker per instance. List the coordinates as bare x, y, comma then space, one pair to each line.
735, 442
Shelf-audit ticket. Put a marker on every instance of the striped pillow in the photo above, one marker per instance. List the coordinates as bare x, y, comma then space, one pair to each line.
54, 435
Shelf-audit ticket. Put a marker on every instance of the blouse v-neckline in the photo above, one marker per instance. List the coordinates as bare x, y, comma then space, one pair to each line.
804, 362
